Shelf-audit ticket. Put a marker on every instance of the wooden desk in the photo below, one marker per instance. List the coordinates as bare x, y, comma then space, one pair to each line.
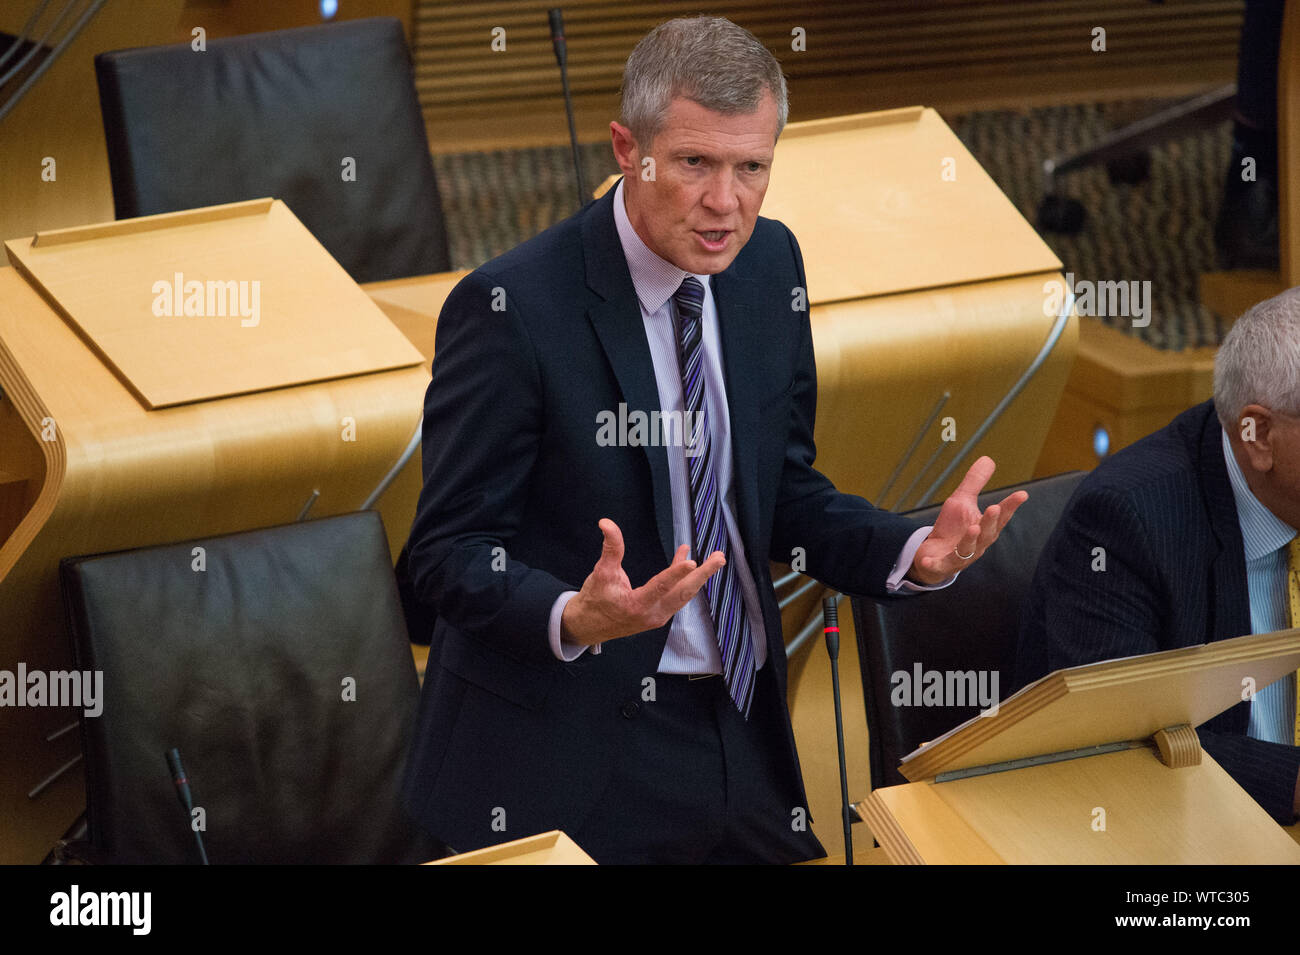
413, 305
85, 468
1124, 385
864, 853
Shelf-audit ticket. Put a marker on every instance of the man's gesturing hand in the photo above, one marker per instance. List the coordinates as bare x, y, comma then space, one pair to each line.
961, 534
607, 606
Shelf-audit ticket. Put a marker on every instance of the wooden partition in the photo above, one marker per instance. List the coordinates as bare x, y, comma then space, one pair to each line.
487, 76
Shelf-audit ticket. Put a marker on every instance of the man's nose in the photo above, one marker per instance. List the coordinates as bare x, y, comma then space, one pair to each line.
720, 194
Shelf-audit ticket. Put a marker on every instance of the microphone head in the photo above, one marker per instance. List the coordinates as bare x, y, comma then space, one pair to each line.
556, 16
174, 764
830, 612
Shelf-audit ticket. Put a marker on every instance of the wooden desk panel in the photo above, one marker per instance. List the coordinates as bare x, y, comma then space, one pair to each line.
1046, 815
97, 472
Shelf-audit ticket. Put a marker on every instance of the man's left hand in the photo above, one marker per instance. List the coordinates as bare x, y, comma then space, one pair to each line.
961, 533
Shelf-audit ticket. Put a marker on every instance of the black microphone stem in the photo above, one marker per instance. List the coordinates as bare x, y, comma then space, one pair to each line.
561, 56
831, 619
182, 783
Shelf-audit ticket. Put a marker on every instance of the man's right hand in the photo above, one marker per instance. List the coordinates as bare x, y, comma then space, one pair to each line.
608, 606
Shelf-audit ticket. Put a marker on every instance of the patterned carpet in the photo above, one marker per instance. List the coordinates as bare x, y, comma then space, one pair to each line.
1160, 230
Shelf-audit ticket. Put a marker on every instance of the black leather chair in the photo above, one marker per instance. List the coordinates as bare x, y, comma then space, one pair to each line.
972, 625
281, 671
276, 114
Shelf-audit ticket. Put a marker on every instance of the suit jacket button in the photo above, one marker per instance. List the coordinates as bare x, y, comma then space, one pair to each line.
630, 709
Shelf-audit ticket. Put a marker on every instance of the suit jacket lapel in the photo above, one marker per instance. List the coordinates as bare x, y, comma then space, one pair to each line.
738, 312
618, 324
1228, 568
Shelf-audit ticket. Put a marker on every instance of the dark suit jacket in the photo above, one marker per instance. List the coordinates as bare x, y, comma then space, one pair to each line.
1175, 576
530, 349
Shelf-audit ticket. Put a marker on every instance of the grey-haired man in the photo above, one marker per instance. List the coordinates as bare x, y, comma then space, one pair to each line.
1197, 529
640, 704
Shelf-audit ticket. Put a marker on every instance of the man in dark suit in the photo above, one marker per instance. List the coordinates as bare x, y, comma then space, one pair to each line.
1184, 538
642, 372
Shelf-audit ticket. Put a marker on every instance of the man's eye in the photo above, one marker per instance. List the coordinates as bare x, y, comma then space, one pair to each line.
693, 160
753, 166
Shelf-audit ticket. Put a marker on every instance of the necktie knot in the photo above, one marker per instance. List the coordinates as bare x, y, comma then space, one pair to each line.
690, 297
689, 302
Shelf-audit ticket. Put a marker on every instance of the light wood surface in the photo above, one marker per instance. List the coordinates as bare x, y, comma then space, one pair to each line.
1120, 383
1152, 814
1112, 701
249, 301
1229, 294
916, 825
868, 200
1158, 800
413, 304
1178, 746
547, 848
1130, 374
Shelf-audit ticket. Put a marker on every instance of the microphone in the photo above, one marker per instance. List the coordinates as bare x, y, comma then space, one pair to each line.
831, 624
556, 16
183, 793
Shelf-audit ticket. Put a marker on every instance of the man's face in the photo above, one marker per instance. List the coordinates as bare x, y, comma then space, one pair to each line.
710, 174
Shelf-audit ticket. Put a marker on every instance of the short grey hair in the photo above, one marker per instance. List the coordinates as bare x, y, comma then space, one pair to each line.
709, 60
1259, 360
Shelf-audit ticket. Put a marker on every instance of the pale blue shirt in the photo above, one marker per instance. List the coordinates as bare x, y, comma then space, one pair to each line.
1265, 536
692, 645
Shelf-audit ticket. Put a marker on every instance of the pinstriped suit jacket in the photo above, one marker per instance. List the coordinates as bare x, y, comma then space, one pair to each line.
1175, 576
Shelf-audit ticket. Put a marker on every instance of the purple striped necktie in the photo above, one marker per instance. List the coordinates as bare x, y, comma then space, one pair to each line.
731, 623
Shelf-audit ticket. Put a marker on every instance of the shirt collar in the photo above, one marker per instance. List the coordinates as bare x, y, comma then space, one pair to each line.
654, 279
1262, 531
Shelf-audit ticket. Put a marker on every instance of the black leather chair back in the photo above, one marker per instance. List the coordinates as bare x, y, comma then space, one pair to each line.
971, 626
278, 114
276, 660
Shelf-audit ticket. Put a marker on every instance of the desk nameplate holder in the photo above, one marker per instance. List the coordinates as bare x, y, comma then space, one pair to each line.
546, 848
1075, 768
208, 303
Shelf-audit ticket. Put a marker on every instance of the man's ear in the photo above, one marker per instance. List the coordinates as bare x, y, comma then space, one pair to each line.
1255, 432
625, 149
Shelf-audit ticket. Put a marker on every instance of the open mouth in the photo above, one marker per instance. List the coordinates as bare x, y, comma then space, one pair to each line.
714, 239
